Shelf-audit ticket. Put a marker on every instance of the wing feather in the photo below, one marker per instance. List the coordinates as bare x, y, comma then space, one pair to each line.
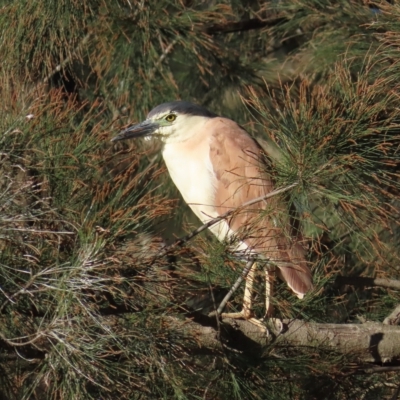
240, 176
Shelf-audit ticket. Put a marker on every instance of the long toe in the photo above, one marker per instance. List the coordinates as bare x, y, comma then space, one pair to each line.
244, 314
260, 323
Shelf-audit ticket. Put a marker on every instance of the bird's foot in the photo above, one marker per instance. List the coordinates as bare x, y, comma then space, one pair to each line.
248, 317
272, 326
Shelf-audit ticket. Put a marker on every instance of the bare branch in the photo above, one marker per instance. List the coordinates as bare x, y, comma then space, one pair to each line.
393, 318
378, 369
372, 342
363, 281
39, 231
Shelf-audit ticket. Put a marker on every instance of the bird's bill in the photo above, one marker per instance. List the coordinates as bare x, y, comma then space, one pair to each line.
144, 128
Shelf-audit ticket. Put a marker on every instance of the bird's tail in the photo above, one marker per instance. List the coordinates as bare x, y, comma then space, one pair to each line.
293, 269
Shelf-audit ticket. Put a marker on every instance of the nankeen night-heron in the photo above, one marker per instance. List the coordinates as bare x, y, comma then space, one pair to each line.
217, 166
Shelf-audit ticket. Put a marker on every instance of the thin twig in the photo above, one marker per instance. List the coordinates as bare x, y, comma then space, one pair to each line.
11, 298
60, 66
213, 221
161, 59
233, 289
13, 343
393, 318
396, 393
39, 231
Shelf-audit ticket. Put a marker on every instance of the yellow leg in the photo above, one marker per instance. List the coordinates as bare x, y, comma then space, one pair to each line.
248, 293
269, 288
246, 312
269, 307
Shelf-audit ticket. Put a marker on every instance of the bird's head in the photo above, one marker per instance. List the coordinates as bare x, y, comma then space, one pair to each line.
171, 122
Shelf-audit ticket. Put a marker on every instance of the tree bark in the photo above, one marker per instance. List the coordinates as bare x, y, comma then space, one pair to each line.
363, 281
371, 342
393, 318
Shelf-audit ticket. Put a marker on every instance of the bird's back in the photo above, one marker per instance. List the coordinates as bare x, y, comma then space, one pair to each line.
241, 175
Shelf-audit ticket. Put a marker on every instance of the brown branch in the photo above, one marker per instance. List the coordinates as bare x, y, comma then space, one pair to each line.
370, 342
393, 318
377, 369
10, 298
363, 281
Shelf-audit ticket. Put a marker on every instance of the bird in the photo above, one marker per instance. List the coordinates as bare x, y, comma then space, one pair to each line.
217, 166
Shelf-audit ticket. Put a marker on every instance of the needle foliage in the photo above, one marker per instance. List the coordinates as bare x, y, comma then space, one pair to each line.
87, 309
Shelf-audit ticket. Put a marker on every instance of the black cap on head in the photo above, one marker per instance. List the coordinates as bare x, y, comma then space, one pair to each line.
181, 107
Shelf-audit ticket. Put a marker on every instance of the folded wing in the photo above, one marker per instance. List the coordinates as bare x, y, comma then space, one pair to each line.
265, 227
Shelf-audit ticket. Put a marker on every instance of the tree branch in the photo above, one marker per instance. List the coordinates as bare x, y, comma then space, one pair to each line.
393, 318
363, 281
371, 342
164, 54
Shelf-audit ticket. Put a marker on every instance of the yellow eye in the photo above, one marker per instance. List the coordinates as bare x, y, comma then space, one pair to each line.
170, 117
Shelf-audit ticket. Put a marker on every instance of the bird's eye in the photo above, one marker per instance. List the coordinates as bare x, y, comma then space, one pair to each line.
170, 117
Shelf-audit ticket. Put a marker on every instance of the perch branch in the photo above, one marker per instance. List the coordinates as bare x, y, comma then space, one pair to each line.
393, 318
371, 342
363, 281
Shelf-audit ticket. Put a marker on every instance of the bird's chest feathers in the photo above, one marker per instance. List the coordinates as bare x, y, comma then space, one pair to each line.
193, 175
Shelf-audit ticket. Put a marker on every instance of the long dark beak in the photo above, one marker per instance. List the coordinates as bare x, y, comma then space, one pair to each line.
145, 128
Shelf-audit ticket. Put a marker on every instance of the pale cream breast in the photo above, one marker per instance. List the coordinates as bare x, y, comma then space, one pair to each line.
190, 169
189, 165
